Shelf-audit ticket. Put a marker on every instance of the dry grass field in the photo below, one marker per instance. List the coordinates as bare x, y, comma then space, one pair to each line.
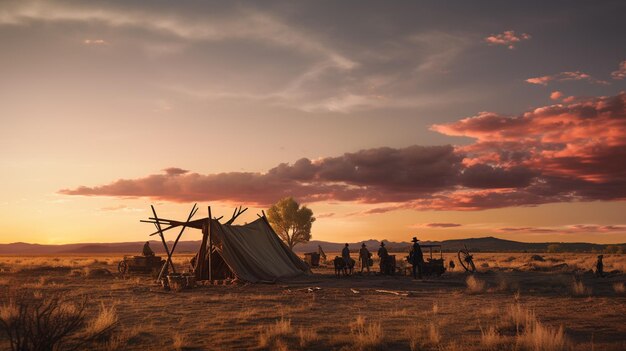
513, 303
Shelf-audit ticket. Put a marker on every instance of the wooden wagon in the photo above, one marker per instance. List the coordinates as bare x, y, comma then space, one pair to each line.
141, 264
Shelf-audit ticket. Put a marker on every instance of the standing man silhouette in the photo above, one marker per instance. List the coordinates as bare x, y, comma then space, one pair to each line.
364, 257
417, 259
345, 254
384, 257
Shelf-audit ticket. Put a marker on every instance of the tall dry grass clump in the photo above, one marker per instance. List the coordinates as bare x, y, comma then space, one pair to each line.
103, 323
490, 338
424, 336
178, 341
366, 335
475, 285
435, 308
434, 335
53, 324
539, 337
307, 336
579, 289
519, 316
272, 333
531, 333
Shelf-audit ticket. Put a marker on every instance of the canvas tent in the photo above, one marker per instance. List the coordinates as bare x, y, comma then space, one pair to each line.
252, 252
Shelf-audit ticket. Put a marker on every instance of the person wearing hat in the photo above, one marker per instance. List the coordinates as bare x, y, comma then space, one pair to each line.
345, 254
384, 256
600, 266
416, 259
364, 257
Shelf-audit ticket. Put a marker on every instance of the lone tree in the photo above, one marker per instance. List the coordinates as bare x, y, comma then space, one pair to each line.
290, 221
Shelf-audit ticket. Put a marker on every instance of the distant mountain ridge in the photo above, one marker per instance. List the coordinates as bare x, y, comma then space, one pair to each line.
485, 244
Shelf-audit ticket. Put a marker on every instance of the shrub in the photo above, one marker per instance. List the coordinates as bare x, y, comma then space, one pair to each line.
53, 324
579, 289
475, 285
271, 334
367, 336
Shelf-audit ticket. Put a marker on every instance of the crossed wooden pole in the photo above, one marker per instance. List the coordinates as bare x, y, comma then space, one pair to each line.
201, 266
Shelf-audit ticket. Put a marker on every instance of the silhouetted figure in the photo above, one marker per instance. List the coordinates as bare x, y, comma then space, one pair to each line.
451, 265
147, 251
345, 254
384, 258
600, 267
416, 258
364, 257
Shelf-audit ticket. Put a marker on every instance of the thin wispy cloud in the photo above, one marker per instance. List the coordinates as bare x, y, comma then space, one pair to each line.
437, 225
95, 42
120, 208
239, 23
565, 76
621, 71
566, 229
507, 38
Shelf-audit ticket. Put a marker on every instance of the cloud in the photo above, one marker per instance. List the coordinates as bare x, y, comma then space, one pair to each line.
565, 76
236, 22
507, 38
120, 208
95, 42
367, 176
535, 230
442, 225
325, 215
621, 71
569, 229
556, 95
557, 153
173, 171
267, 55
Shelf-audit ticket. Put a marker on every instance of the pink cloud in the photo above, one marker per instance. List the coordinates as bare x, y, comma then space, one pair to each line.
559, 153
556, 95
570, 229
95, 42
565, 76
507, 38
621, 71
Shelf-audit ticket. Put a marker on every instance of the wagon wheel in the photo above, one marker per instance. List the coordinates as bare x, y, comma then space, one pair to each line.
122, 267
467, 261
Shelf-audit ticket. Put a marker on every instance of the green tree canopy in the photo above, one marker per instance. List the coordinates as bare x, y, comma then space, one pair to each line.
290, 221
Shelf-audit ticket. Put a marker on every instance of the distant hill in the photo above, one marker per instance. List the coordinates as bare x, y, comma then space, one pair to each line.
486, 244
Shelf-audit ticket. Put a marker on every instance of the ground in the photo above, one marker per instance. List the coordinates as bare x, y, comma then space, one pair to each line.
514, 302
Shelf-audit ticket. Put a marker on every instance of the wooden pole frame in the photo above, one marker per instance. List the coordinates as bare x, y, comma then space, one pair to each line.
171, 253
210, 246
158, 225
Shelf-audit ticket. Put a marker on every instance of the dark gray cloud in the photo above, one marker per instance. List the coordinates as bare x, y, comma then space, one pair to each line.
562, 163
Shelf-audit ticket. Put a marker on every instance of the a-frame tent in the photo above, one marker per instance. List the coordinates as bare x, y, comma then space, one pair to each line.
252, 252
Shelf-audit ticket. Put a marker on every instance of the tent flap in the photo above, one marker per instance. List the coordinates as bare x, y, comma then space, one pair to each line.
255, 253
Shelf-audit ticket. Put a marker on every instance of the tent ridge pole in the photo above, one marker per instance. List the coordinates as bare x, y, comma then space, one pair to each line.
210, 246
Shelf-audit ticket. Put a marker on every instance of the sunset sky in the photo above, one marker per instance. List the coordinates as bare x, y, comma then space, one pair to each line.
389, 120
